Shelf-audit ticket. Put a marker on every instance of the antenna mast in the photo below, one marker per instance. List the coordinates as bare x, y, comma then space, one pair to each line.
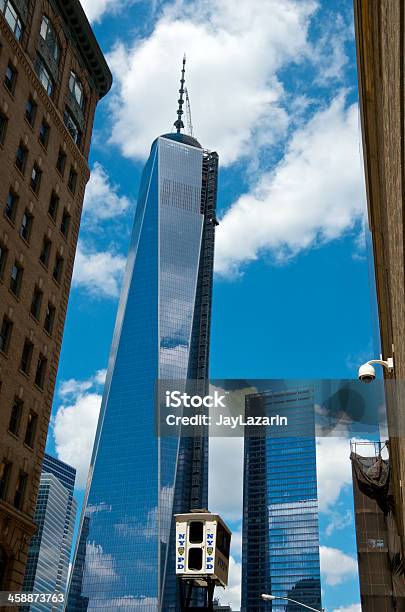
188, 114
178, 124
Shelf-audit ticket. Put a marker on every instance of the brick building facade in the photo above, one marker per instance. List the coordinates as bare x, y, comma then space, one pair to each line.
52, 74
380, 39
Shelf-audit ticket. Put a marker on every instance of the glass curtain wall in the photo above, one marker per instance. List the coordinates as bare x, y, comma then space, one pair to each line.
123, 548
280, 545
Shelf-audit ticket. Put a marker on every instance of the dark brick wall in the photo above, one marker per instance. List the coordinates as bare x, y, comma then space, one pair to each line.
16, 526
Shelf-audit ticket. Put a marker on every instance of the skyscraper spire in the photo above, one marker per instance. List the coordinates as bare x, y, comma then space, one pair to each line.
178, 124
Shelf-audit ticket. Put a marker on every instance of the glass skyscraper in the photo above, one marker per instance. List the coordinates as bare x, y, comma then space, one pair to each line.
280, 542
55, 514
66, 474
124, 559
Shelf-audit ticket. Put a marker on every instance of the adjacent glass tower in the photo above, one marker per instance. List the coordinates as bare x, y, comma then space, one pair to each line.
66, 474
137, 481
50, 548
280, 545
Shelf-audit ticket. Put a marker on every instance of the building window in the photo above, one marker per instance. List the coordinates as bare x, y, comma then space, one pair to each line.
36, 176
15, 416
3, 125
36, 303
12, 18
31, 429
26, 356
21, 157
26, 225
45, 251
76, 89
44, 76
5, 472
40, 371
5, 334
53, 205
49, 318
61, 162
72, 180
48, 34
72, 127
58, 268
16, 278
44, 131
20, 490
11, 205
10, 78
65, 223
3, 258
30, 110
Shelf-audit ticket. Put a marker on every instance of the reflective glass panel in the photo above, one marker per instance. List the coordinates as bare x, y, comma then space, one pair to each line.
280, 507
122, 557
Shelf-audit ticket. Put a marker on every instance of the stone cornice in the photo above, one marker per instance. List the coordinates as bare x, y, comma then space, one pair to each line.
88, 47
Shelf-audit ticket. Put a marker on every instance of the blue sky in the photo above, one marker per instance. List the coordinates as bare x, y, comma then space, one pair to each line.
273, 89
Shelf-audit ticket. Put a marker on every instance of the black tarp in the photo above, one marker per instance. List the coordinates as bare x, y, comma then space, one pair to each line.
381, 564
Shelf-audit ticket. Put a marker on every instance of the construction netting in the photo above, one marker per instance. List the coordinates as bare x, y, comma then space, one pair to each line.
380, 558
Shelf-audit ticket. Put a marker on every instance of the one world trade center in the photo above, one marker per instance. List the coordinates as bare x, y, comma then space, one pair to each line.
138, 480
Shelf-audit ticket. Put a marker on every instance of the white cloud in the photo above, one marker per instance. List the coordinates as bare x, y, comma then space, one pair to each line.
74, 429
95, 508
96, 9
127, 602
336, 566
351, 608
236, 544
103, 566
100, 273
75, 423
314, 195
102, 200
225, 486
226, 477
225, 495
100, 376
99, 563
234, 56
339, 520
232, 594
158, 522
329, 54
334, 471
73, 387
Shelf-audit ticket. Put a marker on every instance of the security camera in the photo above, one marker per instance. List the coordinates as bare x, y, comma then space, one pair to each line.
367, 372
